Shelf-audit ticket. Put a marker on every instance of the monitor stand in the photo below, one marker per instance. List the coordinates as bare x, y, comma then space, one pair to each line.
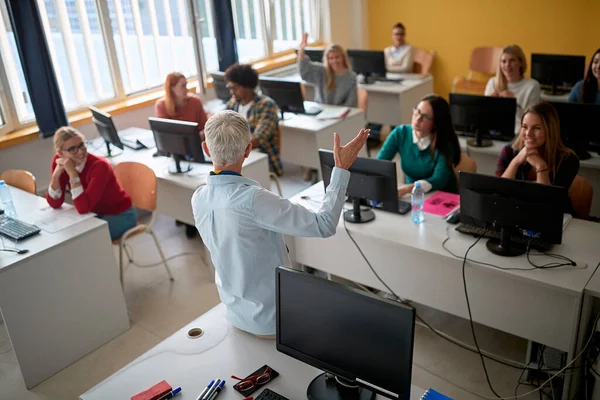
479, 141
331, 387
177, 169
504, 247
109, 153
356, 215
283, 116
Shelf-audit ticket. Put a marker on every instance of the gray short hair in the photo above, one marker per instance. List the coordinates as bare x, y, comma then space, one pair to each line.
227, 136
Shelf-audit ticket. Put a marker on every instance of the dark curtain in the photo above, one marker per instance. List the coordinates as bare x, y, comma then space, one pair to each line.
37, 66
225, 33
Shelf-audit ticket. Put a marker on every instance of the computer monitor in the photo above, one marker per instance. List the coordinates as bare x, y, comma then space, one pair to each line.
220, 86
557, 73
370, 179
287, 94
313, 54
483, 117
178, 139
579, 125
368, 63
107, 130
514, 207
364, 343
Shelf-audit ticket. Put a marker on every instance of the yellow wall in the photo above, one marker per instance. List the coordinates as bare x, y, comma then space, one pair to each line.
452, 28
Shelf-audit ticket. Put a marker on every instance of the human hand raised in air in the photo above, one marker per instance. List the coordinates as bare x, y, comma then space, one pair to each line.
344, 156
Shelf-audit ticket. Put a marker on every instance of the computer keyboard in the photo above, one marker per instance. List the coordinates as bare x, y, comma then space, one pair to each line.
15, 229
477, 231
268, 394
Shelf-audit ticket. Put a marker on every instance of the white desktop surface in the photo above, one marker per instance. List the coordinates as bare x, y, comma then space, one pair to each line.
174, 191
303, 135
62, 299
221, 352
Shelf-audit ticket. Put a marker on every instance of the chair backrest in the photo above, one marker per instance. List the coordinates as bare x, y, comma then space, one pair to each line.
581, 194
20, 178
484, 60
139, 181
466, 164
422, 60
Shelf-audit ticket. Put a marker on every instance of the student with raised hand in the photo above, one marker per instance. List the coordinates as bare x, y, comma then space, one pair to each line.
92, 181
179, 104
510, 81
334, 79
539, 154
588, 89
398, 56
428, 148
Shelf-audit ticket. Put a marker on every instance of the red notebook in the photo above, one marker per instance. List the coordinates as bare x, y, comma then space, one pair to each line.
441, 203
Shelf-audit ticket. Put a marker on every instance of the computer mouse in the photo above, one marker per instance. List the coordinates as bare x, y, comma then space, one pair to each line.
453, 218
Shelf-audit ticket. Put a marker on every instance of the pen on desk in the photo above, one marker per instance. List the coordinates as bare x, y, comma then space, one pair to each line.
217, 391
206, 390
211, 390
171, 394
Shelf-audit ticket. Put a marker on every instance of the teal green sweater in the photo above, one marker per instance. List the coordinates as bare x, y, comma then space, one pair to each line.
418, 164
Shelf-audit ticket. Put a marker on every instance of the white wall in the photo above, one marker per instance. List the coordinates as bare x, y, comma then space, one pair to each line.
346, 23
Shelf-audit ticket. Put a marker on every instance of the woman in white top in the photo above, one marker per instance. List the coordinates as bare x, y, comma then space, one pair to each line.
399, 57
510, 81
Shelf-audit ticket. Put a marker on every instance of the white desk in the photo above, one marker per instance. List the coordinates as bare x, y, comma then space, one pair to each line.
486, 158
392, 103
411, 260
302, 136
221, 352
174, 192
63, 299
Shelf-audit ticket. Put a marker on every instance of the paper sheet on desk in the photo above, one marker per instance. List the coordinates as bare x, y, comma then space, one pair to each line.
53, 220
333, 113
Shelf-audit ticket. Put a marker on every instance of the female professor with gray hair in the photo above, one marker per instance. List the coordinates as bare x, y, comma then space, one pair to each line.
243, 224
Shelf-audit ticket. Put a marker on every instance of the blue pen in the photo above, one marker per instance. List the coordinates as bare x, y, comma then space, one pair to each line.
212, 389
206, 390
217, 391
171, 394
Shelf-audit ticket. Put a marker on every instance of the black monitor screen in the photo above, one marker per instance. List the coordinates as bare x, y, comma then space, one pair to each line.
106, 127
349, 333
179, 139
557, 71
220, 86
287, 94
579, 125
493, 116
313, 54
367, 62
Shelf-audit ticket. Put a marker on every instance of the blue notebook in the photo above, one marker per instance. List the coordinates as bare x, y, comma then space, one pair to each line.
431, 394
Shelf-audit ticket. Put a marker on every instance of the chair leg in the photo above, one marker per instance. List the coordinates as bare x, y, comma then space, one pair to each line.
121, 244
162, 256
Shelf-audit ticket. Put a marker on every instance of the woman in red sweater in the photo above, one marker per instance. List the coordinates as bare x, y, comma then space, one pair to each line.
92, 181
181, 105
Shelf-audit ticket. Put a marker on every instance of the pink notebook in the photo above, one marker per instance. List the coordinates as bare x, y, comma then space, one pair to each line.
441, 203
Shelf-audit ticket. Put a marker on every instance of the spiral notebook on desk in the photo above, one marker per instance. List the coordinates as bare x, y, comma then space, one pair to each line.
431, 394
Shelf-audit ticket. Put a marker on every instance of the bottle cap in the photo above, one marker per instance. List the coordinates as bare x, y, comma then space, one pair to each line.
418, 185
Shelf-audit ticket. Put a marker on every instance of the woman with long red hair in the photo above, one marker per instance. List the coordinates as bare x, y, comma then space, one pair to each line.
179, 104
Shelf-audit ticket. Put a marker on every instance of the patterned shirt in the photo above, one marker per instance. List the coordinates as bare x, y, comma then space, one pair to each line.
264, 123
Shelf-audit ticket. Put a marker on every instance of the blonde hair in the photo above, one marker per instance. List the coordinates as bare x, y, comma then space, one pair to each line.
336, 48
63, 134
501, 82
553, 151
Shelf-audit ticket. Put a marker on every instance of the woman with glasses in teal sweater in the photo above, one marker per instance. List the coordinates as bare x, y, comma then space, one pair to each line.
428, 148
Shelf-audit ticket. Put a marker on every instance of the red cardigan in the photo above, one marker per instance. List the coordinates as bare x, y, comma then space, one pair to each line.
102, 193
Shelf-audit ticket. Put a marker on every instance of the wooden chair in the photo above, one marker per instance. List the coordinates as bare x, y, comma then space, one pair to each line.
422, 60
21, 179
581, 194
466, 164
484, 60
139, 181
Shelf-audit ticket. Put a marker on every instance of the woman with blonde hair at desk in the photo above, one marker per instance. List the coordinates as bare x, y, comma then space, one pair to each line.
92, 181
334, 79
428, 148
510, 81
398, 56
539, 154
179, 104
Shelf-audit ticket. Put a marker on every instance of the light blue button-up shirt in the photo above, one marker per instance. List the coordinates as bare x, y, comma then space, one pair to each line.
242, 225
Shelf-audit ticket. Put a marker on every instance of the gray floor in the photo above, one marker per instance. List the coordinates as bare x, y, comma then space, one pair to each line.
158, 308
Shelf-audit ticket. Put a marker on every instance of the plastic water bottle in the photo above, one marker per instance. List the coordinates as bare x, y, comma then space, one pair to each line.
6, 200
417, 200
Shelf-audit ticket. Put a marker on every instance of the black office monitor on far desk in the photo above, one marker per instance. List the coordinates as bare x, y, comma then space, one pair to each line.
220, 86
288, 96
364, 343
313, 54
513, 207
106, 129
370, 179
178, 139
579, 127
557, 73
370, 64
483, 118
